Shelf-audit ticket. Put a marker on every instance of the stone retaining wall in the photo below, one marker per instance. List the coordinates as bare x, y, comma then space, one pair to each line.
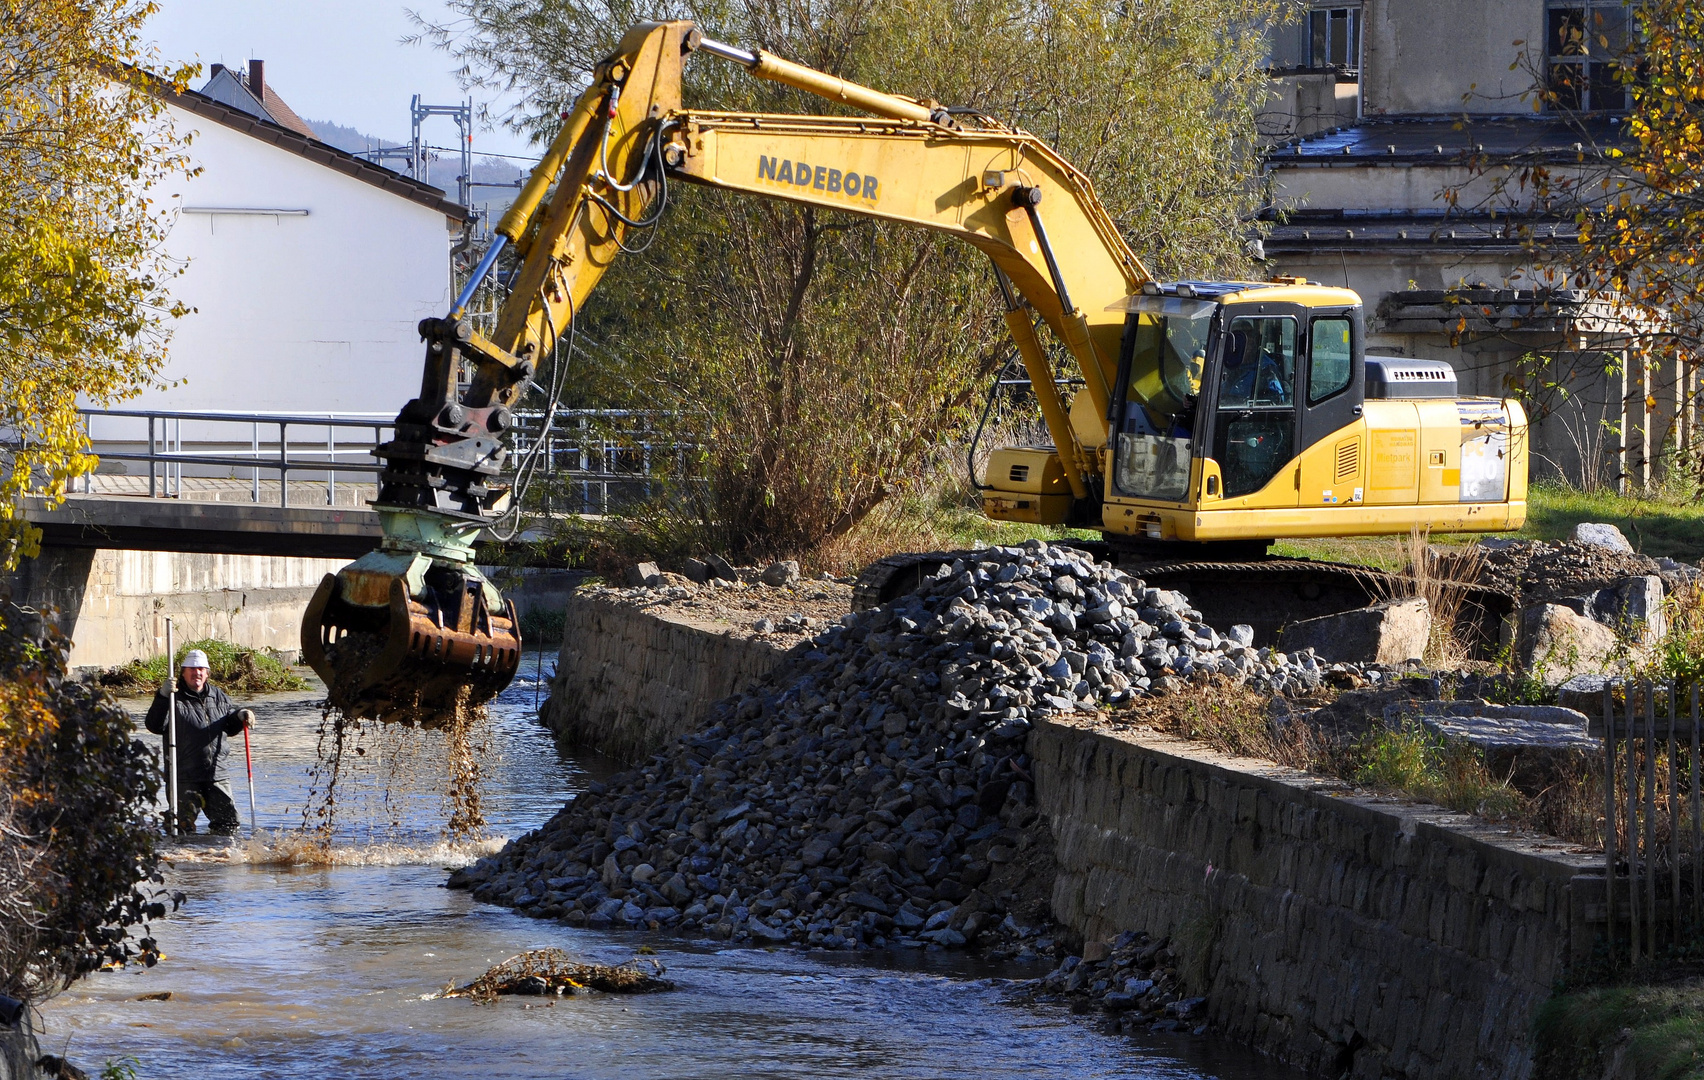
1345, 934
19, 1051
629, 682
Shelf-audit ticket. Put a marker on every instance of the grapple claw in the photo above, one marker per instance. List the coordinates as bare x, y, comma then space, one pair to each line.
402, 637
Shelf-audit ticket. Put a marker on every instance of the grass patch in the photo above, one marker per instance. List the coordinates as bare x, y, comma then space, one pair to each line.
1652, 1032
1418, 762
236, 669
928, 521
1657, 526
1408, 760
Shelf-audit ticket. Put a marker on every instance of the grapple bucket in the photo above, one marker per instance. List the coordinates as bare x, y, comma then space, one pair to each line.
410, 640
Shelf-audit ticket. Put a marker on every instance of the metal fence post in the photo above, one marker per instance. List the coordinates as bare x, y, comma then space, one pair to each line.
1609, 811
331, 469
283, 464
254, 446
150, 457
1674, 815
1650, 818
1697, 824
1632, 789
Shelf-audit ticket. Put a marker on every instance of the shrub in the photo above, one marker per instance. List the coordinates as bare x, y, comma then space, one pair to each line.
76, 833
235, 668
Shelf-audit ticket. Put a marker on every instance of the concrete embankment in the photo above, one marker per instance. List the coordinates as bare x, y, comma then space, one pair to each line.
1346, 934
114, 602
629, 682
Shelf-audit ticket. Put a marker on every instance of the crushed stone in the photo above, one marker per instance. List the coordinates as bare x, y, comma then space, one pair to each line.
874, 789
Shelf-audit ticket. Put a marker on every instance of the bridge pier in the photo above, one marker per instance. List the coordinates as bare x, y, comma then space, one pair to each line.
114, 603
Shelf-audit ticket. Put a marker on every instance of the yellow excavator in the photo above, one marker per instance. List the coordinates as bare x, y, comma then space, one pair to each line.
1213, 416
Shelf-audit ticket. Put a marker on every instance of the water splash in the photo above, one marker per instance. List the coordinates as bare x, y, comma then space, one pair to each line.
308, 848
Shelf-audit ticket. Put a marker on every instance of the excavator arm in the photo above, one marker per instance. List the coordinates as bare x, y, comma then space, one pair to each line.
414, 624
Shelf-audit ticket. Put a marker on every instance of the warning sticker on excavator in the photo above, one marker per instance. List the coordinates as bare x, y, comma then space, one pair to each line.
783, 173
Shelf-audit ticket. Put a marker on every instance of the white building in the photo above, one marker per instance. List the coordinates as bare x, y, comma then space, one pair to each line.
308, 268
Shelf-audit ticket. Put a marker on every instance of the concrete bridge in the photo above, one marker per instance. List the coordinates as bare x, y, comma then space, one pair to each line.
227, 522
207, 527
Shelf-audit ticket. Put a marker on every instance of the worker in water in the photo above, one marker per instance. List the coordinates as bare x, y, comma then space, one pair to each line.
204, 717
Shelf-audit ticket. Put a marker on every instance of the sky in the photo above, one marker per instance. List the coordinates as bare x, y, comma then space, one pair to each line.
337, 60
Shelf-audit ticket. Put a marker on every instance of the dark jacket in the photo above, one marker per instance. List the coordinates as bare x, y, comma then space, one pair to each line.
203, 721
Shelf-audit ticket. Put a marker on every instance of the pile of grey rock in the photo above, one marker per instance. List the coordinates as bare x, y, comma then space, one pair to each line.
1590, 604
874, 789
1133, 979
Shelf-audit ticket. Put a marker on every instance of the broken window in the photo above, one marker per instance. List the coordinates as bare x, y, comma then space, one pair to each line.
1334, 37
1585, 44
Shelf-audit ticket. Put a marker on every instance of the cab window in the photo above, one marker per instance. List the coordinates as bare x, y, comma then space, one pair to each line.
1254, 434
1329, 368
1260, 364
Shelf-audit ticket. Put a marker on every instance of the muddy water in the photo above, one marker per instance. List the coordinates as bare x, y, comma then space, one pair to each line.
325, 970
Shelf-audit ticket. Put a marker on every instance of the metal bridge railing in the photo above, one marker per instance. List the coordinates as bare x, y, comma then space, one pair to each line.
595, 460
273, 447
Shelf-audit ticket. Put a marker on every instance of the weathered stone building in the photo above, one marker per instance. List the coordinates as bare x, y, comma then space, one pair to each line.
1389, 184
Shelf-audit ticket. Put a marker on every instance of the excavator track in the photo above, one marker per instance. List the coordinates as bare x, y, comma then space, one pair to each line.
1266, 594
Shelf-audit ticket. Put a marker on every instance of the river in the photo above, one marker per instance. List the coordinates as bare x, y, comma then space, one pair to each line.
328, 970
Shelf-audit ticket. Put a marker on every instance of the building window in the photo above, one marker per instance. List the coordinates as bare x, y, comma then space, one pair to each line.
1334, 37
1586, 40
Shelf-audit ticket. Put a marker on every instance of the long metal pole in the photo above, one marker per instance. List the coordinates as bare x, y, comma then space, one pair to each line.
171, 733
248, 759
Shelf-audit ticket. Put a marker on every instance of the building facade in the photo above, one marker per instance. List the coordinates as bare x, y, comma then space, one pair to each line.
1412, 199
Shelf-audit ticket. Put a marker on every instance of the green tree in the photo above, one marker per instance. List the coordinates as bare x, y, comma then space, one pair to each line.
83, 301
821, 358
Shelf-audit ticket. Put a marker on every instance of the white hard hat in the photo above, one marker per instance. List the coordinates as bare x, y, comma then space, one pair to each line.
195, 658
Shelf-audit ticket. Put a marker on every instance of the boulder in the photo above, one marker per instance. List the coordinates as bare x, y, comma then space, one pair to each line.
783, 572
645, 573
1387, 633
1633, 605
1600, 534
1583, 693
1532, 746
721, 568
1557, 644
696, 571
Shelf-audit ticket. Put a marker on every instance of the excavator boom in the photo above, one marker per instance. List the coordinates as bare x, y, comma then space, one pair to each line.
1135, 449
413, 631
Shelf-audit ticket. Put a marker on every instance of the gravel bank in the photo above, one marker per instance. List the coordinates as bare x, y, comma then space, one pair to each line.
874, 789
